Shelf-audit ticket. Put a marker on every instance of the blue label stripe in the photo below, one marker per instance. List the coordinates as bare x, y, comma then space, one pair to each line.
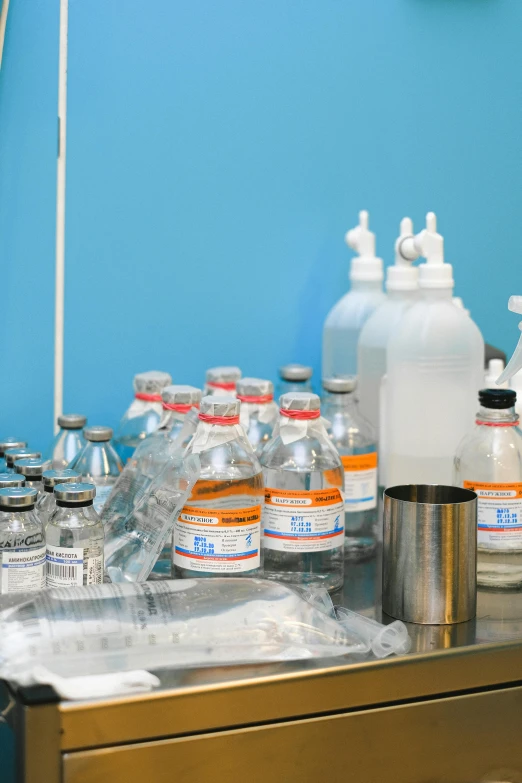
214, 554
310, 534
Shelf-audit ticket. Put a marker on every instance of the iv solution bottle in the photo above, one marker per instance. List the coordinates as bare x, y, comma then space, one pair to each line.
434, 367
31, 470
22, 542
221, 381
74, 535
489, 461
344, 322
259, 412
11, 455
355, 440
218, 532
294, 377
46, 503
9, 443
303, 518
69, 441
402, 290
144, 414
11, 480
98, 463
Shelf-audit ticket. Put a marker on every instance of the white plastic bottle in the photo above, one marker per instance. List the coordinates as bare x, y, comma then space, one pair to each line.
402, 288
435, 366
346, 319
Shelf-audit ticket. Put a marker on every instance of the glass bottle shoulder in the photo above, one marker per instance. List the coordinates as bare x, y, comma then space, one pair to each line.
232, 460
19, 522
84, 516
349, 431
97, 460
306, 454
489, 452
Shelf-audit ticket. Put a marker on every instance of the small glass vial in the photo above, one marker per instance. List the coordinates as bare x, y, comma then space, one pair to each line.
9, 443
294, 377
74, 535
11, 480
11, 455
221, 381
31, 470
303, 520
489, 461
218, 532
259, 412
144, 414
46, 503
355, 440
22, 542
69, 441
98, 463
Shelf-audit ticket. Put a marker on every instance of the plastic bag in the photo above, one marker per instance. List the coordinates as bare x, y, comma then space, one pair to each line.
134, 543
175, 623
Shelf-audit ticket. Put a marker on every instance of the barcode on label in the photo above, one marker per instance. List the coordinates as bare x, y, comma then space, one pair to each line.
95, 571
61, 571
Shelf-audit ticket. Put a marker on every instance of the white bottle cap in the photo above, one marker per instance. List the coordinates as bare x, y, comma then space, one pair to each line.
365, 267
434, 273
403, 276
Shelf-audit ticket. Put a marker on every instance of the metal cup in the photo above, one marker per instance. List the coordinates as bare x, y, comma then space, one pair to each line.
430, 554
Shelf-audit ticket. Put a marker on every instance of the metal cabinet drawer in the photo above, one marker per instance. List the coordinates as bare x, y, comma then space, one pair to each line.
463, 739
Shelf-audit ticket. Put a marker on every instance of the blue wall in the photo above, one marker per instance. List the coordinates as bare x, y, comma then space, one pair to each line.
217, 153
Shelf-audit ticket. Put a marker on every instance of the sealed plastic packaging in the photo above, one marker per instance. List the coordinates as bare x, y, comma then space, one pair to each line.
194, 622
69, 440
134, 543
258, 413
178, 424
221, 381
144, 414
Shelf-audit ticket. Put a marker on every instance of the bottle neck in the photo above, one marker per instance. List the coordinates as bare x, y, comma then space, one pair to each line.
345, 401
497, 417
403, 296
366, 285
436, 294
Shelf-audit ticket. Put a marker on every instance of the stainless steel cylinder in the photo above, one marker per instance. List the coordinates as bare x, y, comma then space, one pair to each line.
430, 554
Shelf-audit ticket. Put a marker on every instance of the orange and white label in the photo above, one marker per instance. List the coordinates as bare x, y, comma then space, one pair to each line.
360, 481
499, 514
303, 520
218, 540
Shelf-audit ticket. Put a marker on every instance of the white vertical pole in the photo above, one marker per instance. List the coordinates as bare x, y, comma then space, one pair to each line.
60, 214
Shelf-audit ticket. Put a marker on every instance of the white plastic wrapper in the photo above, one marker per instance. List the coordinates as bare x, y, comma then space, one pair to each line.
134, 543
291, 430
210, 435
177, 623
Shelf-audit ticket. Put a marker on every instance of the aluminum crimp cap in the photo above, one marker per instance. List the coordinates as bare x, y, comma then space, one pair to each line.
151, 382
340, 384
98, 434
11, 455
220, 406
13, 498
11, 480
181, 395
75, 493
300, 401
52, 477
223, 374
72, 421
254, 387
11, 443
295, 372
30, 468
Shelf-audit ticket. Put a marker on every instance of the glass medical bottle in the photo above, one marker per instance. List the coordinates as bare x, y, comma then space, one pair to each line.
144, 414
354, 439
218, 532
74, 535
69, 441
9, 443
22, 542
11, 455
303, 518
46, 503
11, 480
258, 413
221, 381
489, 461
31, 470
98, 463
294, 377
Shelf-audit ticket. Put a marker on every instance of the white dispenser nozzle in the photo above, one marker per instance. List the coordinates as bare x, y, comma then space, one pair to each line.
366, 266
383, 640
515, 363
429, 244
403, 276
494, 371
